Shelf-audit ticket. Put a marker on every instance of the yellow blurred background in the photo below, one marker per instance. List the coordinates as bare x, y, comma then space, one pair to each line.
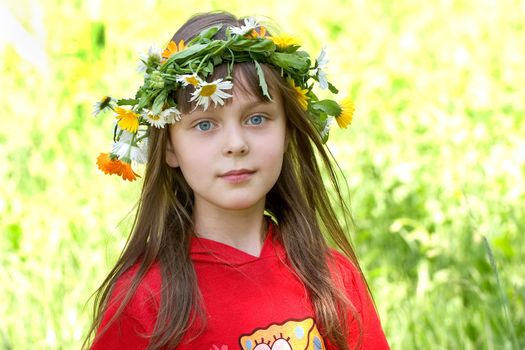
435, 158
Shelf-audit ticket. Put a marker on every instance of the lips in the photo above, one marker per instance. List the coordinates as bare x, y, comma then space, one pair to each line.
236, 176
238, 172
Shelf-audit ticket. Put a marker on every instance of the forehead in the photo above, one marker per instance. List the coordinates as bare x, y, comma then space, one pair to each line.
245, 94
246, 87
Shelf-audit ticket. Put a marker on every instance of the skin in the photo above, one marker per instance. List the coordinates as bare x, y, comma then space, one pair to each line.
245, 133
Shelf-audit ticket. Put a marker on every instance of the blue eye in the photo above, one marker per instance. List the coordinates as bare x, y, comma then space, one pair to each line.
205, 125
256, 119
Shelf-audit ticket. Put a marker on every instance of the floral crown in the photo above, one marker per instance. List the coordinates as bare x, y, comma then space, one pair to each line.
182, 64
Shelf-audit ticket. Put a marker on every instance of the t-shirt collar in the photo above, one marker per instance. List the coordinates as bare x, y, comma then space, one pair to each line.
207, 250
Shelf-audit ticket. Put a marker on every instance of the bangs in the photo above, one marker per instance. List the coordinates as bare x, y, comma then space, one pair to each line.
245, 80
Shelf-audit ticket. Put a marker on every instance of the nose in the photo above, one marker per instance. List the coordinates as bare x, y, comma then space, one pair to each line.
235, 141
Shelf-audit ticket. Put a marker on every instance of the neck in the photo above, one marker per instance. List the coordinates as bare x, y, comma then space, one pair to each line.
243, 229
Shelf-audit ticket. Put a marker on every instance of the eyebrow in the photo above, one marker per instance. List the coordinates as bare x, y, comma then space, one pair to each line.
257, 104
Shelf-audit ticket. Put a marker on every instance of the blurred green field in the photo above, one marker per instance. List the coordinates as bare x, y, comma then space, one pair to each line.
435, 159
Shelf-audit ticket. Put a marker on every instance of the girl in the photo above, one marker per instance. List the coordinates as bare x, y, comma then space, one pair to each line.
227, 249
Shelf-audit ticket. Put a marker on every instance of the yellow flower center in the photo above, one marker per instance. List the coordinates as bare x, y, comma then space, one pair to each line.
192, 80
208, 90
154, 116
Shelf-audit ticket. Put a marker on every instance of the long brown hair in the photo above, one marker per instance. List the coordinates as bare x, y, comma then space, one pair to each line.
299, 202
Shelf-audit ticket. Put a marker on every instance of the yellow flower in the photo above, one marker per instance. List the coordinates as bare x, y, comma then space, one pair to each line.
128, 120
172, 48
347, 113
284, 41
300, 93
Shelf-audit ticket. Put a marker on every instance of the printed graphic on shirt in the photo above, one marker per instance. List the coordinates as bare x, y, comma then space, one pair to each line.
223, 347
291, 335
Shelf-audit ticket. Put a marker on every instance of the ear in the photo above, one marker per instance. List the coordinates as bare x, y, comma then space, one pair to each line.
171, 157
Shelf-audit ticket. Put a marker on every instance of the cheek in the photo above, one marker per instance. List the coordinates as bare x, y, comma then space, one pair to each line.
273, 146
193, 160
272, 155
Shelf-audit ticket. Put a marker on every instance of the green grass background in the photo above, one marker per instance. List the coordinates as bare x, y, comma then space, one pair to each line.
435, 159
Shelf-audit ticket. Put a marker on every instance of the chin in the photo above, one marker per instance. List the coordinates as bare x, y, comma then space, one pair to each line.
240, 203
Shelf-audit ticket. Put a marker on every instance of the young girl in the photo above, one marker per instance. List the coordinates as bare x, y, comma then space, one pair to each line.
227, 250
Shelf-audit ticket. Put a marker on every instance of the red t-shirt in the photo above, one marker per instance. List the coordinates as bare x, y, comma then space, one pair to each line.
252, 303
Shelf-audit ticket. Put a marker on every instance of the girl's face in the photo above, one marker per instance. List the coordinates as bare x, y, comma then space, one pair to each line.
231, 156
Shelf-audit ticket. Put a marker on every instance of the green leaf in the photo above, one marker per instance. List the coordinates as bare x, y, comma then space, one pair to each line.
127, 102
262, 80
291, 62
184, 54
253, 45
207, 33
265, 45
217, 60
159, 102
332, 88
144, 100
228, 33
329, 107
240, 44
290, 49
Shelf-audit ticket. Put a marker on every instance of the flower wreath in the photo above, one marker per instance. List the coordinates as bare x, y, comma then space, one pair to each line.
182, 64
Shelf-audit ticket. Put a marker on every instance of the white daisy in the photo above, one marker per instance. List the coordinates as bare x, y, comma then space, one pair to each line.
104, 103
151, 58
155, 120
189, 79
322, 61
167, 116
136, 151
171, 115
211, 91
323, 80
249, 24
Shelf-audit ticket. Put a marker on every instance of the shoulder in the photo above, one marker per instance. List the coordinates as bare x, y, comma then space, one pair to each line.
150, 283
347, 275
128, 325
146, 296
342, 261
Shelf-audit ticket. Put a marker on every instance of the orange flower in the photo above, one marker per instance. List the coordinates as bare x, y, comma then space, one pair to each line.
128, 173
171, 49
114, 166
107, 165
254, 34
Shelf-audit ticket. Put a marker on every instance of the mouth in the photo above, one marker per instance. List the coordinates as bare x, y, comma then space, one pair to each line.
236, 176
238, 172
